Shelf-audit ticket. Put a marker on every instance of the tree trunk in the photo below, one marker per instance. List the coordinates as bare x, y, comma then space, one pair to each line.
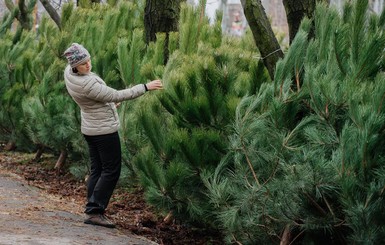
263, 34
61, 161
39, 153
10, 146
285, 239
169, 218
161, 16
296, 10
23, 15
51, 12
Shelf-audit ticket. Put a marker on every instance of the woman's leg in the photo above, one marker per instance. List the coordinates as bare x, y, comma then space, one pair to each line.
96, 166
105, 170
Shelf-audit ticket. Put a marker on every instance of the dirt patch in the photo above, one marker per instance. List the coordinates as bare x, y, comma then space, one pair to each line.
127, 208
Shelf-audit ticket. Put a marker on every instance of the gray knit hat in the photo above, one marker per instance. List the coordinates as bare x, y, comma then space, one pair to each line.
76, 55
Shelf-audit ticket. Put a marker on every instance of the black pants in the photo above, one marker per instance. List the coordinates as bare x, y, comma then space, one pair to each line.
105, 155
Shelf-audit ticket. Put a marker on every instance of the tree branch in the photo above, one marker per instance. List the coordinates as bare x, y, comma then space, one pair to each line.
52, 12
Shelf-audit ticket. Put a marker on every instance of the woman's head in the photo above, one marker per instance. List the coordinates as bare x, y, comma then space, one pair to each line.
78, 58
83, 68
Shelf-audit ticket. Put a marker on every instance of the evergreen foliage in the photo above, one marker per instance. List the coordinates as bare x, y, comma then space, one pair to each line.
36, 104
15, 84
307, 151
100, 29
188, 125
222, 146
7, 21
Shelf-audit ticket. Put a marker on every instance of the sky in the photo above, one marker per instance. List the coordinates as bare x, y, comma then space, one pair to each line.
211, 7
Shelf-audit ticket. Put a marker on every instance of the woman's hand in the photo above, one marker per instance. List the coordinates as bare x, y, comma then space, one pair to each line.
154, 85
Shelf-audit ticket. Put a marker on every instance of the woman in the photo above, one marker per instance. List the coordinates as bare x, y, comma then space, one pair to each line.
99, 125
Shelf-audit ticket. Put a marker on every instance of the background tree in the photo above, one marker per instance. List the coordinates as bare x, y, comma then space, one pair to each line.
24, 11
264, 36
297, 10
260, 26
161, 16
15, 84
52, 12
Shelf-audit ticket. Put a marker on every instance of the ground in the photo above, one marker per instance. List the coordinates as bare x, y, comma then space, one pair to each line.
127, 208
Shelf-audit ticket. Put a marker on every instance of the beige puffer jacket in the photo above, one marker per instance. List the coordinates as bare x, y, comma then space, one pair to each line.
97, 101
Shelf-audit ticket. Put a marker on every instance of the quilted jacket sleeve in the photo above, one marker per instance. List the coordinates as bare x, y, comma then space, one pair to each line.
96, 89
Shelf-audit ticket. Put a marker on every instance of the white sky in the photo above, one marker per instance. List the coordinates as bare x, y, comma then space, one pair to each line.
211, 7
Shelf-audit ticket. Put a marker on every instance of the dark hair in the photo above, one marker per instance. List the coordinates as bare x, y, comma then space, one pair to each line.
74, 70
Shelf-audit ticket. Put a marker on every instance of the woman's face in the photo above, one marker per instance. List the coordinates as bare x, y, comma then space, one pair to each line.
85, 67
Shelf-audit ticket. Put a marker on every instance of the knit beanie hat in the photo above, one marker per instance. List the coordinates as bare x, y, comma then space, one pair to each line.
76, 55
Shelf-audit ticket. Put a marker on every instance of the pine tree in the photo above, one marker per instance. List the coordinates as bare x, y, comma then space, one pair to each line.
137, 64
15, 84
188, 123
16, 47
305, 163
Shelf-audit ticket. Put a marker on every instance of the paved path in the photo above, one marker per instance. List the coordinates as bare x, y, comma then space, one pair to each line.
29, 217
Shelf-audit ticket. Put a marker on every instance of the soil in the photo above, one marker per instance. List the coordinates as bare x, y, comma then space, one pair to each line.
127, 209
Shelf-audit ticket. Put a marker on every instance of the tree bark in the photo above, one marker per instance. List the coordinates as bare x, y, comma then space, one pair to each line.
263, 34
161, 16
285, 239
39, 153
52, 12
10, 146
296, 10
169, 218
61, 161
22, 15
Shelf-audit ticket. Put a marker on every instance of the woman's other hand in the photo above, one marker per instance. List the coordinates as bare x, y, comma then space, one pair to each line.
154, 85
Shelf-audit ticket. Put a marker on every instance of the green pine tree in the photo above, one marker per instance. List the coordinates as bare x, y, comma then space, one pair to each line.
305, 164
187, 126
15, 84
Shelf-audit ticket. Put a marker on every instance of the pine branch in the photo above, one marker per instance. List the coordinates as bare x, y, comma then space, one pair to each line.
249, 163
315, 204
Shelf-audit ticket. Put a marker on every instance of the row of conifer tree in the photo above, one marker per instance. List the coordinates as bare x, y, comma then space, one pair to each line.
298, 159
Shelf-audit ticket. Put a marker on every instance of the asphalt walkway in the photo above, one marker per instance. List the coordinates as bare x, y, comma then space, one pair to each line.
30, 217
